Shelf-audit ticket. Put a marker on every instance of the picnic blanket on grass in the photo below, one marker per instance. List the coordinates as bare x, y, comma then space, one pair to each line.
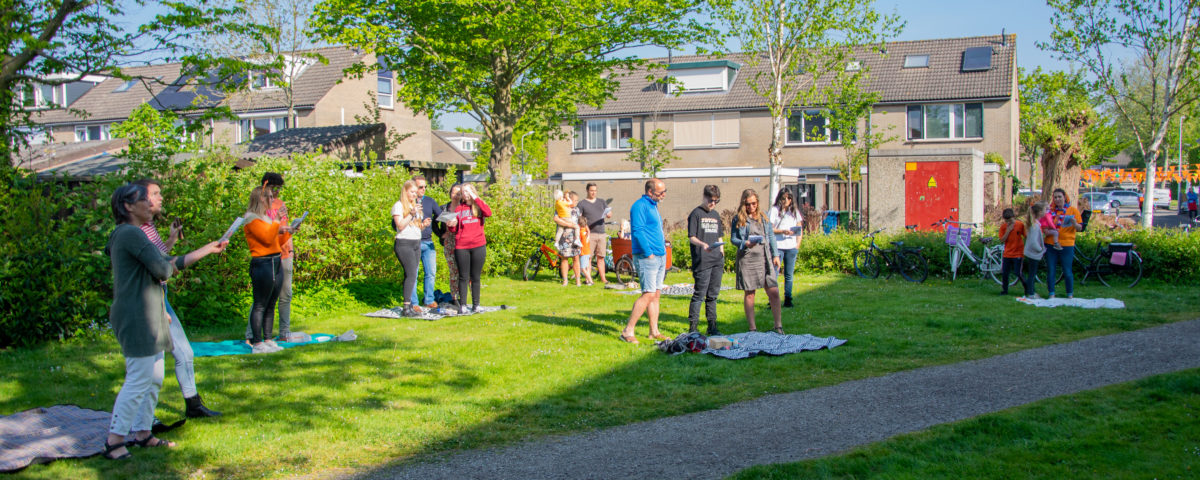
750, 344
678, 290
42, 435
431, 315
1073, 302
240, 347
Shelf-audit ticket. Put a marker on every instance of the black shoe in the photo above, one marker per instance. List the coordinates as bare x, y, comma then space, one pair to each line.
408, 311
787, 302
692, 326
196, 408
712, 329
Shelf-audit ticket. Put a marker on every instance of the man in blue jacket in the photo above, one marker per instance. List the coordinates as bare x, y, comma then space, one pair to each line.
650, 256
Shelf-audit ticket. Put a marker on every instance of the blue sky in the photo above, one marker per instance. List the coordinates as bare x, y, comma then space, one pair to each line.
928, 19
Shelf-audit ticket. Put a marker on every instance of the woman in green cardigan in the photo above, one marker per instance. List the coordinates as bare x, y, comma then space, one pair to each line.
139, 317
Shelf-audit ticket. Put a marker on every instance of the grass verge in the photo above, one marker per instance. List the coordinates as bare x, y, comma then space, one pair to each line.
411, 389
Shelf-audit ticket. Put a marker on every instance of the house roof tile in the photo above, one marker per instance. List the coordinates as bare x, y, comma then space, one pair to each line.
942, 80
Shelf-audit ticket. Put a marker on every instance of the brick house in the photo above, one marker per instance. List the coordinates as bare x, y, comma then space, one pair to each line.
942, 97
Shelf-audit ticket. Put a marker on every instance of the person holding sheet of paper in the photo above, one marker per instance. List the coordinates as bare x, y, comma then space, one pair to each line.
597, 211
470, 243
757, 258
139, 318
407, 220
787, 223
441, 229
705, 234
265, 237
278, 211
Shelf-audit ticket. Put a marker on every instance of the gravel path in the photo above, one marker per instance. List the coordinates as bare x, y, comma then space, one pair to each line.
818, 422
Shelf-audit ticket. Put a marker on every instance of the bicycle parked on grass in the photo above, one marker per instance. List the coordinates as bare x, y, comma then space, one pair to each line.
1112, 264
988, 261
534, 264
907, 261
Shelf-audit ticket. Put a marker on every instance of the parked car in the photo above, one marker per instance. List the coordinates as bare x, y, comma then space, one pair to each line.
1099, 202
1026, 192
1162, 198
1125, 198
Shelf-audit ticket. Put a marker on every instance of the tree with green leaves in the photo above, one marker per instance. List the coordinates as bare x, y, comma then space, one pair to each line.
1059, 120
651, 154
154, 137
1162, 35
54, 42
805, 45
506, 63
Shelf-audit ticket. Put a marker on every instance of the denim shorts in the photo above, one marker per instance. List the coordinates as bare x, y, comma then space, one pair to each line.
651, 272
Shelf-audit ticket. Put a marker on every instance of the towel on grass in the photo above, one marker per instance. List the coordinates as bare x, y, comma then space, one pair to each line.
240, 347
435, 314
1073, 302
750, 344
42, 435
677, 290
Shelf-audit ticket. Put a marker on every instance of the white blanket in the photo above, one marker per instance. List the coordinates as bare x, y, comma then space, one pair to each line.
1074, 302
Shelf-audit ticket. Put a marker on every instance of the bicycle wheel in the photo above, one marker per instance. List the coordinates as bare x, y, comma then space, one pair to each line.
624, 269
866, 264
992, 263
913, 266
1120, 275
532, 266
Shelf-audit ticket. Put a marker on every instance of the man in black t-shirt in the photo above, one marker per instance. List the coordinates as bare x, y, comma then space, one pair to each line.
593, 208
705, 230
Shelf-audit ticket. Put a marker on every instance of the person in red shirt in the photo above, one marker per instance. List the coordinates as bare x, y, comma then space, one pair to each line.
1012, 235
470, 244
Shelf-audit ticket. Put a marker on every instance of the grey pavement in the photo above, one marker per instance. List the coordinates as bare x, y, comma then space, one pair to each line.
814, 423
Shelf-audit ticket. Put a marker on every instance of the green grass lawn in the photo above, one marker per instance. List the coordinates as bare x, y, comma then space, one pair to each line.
1144, 429
412, 389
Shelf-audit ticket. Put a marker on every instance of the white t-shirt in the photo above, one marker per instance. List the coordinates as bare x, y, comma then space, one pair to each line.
412, 231
787, 221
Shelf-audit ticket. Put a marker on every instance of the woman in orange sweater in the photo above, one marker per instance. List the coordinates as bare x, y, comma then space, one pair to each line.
264, 236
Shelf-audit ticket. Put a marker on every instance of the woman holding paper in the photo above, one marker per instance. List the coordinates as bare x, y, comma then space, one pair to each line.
757, 258
786, 222
138, 317
470, 244
406, 219
265, 237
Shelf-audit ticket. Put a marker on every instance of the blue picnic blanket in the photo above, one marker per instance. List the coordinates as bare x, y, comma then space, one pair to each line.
749, 344
240, 347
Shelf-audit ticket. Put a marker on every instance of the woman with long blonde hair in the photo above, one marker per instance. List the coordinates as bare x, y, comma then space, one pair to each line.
406, 220
265, 238
757, 258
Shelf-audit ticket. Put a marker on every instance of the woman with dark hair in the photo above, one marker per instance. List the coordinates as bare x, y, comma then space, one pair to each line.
406, 219
265, 237
1067, 219
787, 223
470, 244
447, 238
139, 318
757, 258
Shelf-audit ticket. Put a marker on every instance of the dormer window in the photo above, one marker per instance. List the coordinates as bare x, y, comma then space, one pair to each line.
693, 77
916, 61
37, 96
261, 81
853, 66
469, 145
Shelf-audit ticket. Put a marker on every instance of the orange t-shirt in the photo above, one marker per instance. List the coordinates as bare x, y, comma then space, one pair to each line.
584, 238
1066, 235
264, 238
1014, 246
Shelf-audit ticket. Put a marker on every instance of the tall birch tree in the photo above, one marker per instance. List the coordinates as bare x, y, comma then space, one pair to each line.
805, 46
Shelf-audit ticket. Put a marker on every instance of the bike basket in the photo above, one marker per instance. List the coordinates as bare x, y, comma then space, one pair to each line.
958, 236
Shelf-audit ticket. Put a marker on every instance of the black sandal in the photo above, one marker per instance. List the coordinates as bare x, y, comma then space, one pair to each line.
145, 442
778, 330
109, 449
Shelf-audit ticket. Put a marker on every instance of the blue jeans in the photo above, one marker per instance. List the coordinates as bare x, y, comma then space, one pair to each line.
1060, 258
429, 266
789, 267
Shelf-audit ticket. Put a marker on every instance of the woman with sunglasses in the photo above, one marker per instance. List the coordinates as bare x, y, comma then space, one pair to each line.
757, 260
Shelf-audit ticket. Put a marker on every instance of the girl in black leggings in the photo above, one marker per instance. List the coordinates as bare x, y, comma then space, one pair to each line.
470, 243
406, 219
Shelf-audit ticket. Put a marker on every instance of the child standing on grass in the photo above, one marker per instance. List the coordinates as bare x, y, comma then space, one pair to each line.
585, 258
1035, 249
1012, 235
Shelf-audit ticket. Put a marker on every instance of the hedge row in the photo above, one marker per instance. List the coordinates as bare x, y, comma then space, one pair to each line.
57, 281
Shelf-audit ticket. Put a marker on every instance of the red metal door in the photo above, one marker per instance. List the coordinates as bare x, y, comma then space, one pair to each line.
930, 193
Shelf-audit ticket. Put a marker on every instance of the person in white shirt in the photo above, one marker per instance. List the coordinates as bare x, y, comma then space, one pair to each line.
788, 225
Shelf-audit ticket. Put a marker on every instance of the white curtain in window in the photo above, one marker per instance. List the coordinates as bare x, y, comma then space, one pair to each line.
596, 134
694, 130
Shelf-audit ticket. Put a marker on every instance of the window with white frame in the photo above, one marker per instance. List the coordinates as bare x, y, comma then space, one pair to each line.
85, 133
603, 134
250, 128
811, 126
42, 96
707, 130
469, 145
262, 81
945, 121
384, 89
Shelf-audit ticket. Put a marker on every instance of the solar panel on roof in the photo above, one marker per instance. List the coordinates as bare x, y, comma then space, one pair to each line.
977, 59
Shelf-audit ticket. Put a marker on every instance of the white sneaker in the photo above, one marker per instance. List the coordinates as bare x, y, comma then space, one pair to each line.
262, 348
1034, 297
